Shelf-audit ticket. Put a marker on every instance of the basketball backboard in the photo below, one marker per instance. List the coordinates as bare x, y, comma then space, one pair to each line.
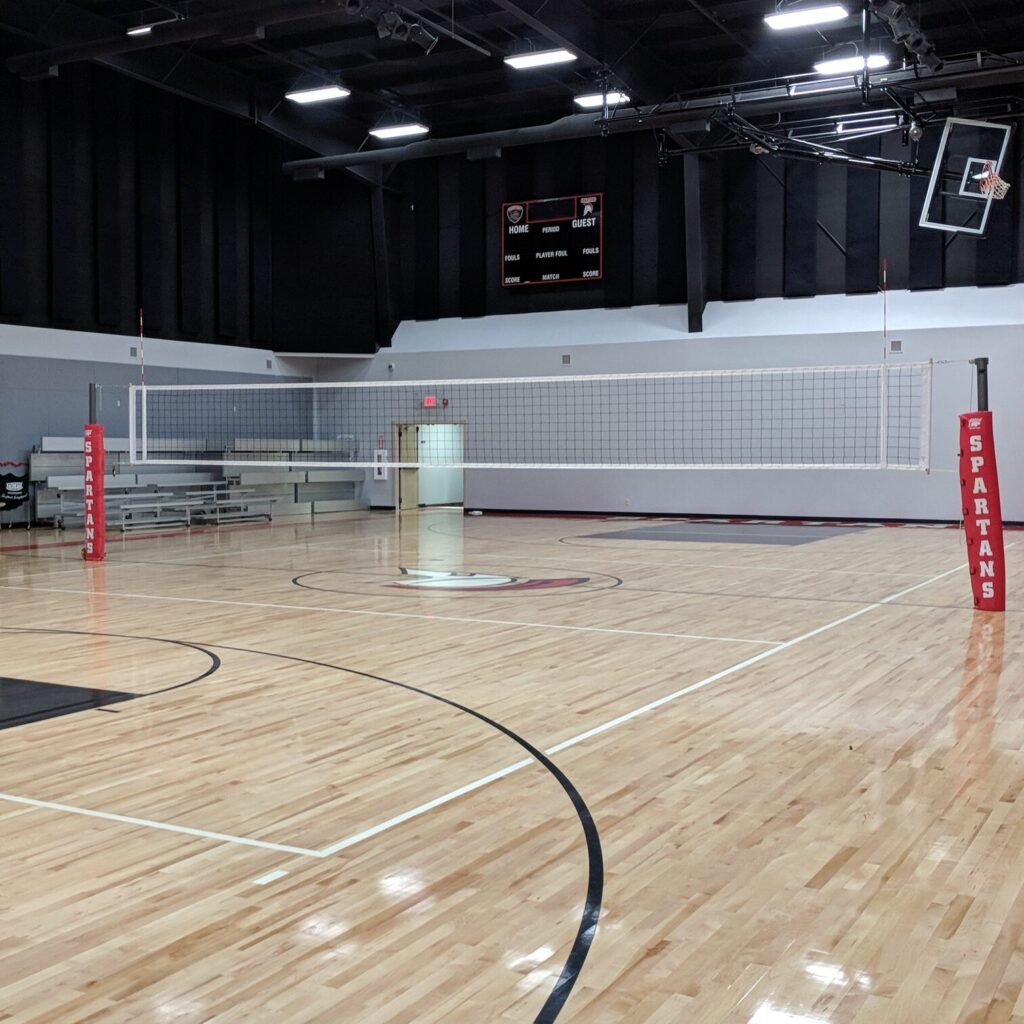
955, 200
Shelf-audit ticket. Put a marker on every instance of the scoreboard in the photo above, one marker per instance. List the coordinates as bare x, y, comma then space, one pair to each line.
552, 241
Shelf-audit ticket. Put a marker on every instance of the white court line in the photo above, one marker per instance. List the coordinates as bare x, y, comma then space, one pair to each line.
391, 615
163, 826
270, 876
343, 844
415, 812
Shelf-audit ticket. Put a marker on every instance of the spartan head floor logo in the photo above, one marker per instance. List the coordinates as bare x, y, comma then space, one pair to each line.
515, 213
430, 579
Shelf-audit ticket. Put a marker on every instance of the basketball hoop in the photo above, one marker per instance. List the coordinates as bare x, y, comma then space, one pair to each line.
991, 184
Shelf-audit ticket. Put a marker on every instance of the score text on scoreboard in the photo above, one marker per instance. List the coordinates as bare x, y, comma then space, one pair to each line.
552, 241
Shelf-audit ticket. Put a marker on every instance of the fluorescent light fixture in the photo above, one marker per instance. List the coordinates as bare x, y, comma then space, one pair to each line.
845, 65
802, 17
539, 59
877, 124
597, 99
145, 30
399, 131
318, 94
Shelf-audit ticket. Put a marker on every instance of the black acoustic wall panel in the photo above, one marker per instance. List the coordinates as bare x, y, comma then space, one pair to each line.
117, 195
739, 273
72, 220
863, 256
472, 239
317, 225
801, 241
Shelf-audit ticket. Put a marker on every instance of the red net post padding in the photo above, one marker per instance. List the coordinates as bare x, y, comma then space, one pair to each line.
95, 548
983, 516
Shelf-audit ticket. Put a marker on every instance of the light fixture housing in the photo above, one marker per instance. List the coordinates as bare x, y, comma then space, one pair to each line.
399, 131
593, 100
139, 30
849, 65
318, 94
539, 59
804, 17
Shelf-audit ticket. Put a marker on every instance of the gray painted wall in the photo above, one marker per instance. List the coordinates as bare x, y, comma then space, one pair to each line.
826, 493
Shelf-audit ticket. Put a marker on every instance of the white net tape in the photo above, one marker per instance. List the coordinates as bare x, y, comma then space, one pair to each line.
848, 417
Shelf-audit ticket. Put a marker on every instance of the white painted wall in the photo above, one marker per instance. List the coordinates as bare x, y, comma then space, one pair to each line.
952, 325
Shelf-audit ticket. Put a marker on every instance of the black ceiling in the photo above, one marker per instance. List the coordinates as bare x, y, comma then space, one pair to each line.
651, 48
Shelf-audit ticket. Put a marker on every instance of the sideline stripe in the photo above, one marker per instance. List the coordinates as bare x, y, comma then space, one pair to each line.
200, 532
389, 615
162, 826
270, 876
384, 826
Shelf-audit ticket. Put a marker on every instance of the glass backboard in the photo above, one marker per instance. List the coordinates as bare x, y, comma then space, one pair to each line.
955, 201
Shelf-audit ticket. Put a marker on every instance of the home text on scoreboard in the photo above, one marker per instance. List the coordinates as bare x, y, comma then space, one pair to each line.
552, 241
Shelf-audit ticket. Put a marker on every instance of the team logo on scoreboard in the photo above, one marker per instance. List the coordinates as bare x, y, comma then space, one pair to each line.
430, 579
589, 202
515, 213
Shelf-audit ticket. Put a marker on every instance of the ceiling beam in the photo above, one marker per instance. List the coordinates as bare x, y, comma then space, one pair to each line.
571, 24
177, 71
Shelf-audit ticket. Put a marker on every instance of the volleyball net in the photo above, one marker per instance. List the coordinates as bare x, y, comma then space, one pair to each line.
819, 417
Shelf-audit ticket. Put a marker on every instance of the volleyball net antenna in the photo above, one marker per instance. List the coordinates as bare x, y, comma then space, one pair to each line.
819, 417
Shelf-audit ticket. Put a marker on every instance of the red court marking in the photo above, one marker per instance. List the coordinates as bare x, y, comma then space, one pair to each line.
176, 533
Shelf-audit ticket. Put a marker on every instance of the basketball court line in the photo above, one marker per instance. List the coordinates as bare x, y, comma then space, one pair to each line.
161, 826
394, 615
511, 769
127, 537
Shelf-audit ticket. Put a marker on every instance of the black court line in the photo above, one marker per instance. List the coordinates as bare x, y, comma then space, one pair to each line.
591, 914
47, 695
582, 585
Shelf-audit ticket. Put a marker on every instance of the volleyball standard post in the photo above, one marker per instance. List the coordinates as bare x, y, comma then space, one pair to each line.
94, 548
979, 491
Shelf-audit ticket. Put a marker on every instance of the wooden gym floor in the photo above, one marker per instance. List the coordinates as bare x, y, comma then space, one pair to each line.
272, 774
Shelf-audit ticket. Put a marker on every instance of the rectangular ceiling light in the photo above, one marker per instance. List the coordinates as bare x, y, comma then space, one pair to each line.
139, 30
845, 65
802, 17
318, 94
596, 99
399, 131
539, 59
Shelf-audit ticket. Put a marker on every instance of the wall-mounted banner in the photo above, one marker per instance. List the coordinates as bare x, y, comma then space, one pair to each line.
95, 514
13, 485
983, 519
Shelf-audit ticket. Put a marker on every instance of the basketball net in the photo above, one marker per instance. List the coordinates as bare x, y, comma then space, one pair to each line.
992, 185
